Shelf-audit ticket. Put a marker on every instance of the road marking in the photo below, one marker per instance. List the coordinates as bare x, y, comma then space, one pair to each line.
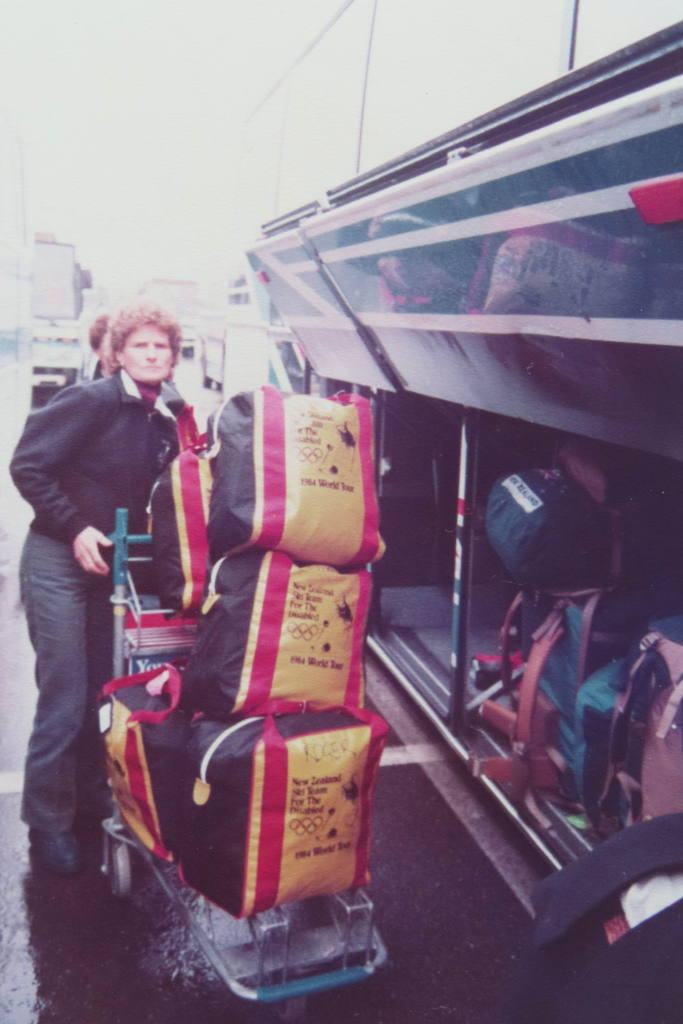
11, 782
470, 811
415, 753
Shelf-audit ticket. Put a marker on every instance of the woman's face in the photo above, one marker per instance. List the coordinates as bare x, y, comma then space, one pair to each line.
147, 355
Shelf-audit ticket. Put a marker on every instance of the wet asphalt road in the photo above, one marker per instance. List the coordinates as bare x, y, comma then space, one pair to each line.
71, 953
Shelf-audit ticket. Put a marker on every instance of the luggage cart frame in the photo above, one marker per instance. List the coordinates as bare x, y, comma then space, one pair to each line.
280, 956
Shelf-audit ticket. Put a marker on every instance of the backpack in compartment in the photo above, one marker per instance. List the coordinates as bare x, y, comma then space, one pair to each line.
180, 512
577, 637
296, 474
548, 532
645, 777
280, 806
594, 712
272, 629
146, 738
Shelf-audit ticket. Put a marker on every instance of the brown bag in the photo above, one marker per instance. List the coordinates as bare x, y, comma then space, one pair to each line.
646, 743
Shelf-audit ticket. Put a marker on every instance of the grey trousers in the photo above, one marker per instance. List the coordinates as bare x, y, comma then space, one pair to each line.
70, 623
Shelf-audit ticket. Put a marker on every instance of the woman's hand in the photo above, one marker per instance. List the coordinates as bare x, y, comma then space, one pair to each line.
87, 550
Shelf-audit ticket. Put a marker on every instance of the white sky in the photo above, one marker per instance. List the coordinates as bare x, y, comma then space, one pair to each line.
130, 113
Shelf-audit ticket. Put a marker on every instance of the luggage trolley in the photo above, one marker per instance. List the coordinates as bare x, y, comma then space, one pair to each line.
279, 956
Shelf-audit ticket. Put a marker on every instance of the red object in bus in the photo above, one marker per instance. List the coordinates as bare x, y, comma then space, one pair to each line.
262, 277
660, 202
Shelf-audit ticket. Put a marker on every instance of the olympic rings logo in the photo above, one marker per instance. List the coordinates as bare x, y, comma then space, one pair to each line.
301, 632
308, 454
305, 826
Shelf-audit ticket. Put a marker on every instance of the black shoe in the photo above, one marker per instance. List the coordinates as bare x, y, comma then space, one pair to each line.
58, 851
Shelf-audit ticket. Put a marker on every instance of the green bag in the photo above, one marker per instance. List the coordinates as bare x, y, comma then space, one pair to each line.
594, 711
548, 532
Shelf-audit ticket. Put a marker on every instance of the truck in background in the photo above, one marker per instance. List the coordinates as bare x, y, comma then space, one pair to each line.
180, 297
56, 303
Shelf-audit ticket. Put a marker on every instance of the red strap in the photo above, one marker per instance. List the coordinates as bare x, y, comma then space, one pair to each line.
274, 469
188, 431
273, 807
530, 682
172, 686
505, 664
138, 789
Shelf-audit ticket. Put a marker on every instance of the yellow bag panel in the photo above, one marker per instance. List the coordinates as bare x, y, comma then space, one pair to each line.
323, 816
320, 640
120, 771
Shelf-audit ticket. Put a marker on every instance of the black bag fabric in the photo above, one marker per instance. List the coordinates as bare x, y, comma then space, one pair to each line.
549, 533
295, 473
280, 806
577, 967
273, 629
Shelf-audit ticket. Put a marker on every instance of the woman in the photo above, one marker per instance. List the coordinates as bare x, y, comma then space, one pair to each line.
94, 448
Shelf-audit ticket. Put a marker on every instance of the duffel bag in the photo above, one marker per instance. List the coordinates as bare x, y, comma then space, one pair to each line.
280, 808
146, 738
272, 629
549, 533
296, 474
180, 512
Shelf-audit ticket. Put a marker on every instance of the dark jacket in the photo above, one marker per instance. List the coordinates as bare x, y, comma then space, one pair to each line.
92, 449
571, 974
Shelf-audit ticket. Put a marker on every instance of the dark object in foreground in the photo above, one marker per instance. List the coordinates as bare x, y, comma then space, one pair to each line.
573, 971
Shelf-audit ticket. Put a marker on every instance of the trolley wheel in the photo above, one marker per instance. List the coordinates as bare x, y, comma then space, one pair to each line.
292, 1010
117, 866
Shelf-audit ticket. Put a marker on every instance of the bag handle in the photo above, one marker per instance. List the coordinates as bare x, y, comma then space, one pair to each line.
288, 707
214, 576
171, 686
270, 708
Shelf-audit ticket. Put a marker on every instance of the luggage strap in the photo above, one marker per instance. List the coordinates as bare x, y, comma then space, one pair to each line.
545, 638
622, 712
505, 638
170, 685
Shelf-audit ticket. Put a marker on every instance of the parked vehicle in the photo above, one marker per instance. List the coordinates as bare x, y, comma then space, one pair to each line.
242, 348
58, 356
15, 292
507, 289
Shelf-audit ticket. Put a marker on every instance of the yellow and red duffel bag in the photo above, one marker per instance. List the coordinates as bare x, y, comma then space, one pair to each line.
146, 738
271, 629
281, 806
296, 474
180, 512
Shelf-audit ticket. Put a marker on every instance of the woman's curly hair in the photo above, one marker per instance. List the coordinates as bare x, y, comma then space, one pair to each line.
144, 314
98, 329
